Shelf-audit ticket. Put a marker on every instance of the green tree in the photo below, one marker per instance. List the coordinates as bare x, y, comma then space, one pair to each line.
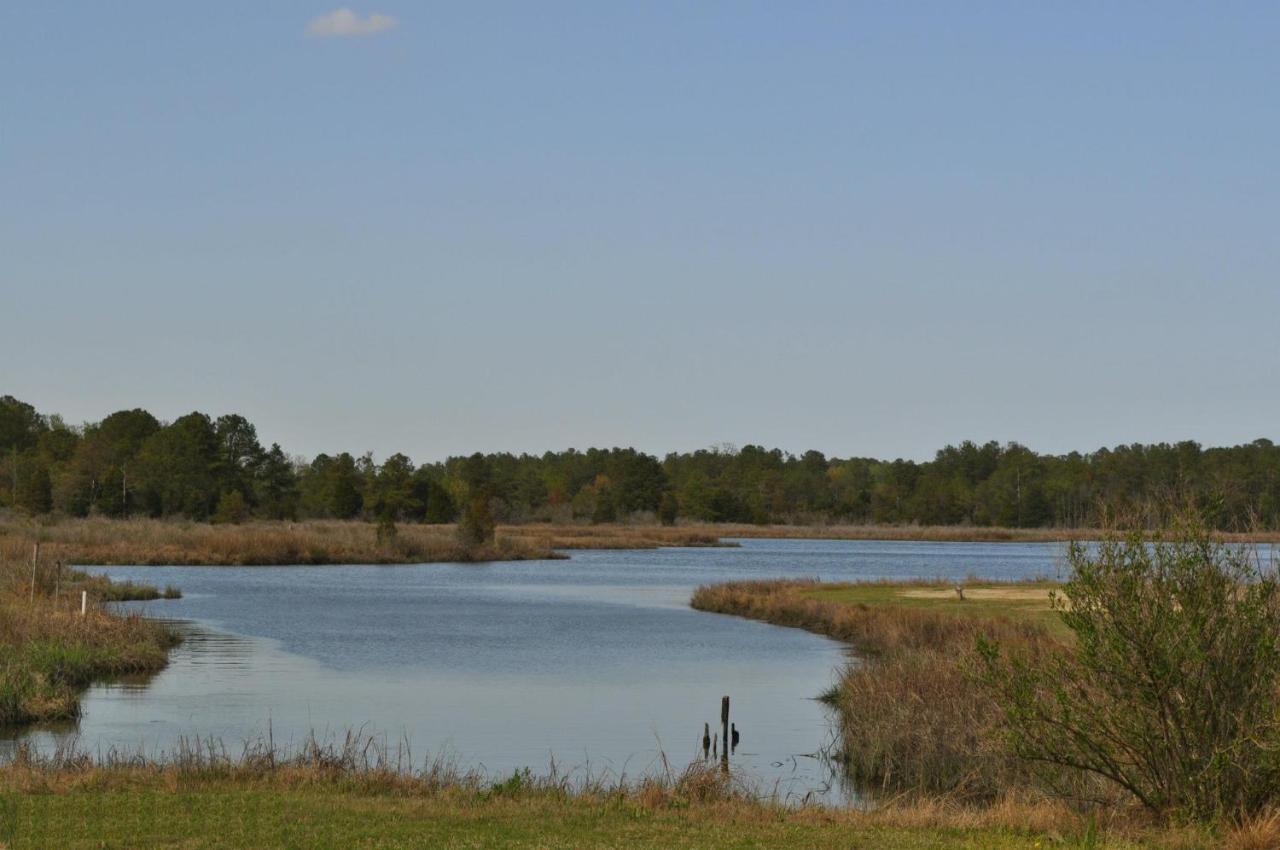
331, 487
275, 485
476, 527
605, 509
392, 490
20, 425
668, 509
177, 466
34, 493
232, 508
239, 454
440, 507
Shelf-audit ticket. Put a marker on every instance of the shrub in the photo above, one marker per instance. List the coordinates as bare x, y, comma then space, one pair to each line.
476, 527
1169, 689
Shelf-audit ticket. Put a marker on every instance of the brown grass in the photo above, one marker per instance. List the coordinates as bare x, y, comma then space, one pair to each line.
177, 542
912, 718
872, 629
158, 542
938, 533
180, 542
1259, 833
612, 536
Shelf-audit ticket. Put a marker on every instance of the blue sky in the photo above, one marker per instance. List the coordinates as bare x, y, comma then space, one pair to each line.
869, 228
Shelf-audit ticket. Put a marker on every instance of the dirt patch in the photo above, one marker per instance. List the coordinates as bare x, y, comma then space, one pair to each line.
1008, 594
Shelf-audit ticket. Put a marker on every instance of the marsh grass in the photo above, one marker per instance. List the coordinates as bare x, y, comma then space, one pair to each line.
361, 788
49, 653
912, 718
177, 542
875, 617
934, 533
613, 536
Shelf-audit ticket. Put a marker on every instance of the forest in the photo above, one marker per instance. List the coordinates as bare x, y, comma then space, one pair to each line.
215, 468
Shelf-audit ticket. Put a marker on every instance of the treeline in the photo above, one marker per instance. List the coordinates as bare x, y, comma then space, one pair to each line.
202, 467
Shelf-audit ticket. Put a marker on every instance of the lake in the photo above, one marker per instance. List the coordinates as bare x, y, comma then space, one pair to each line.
596, 661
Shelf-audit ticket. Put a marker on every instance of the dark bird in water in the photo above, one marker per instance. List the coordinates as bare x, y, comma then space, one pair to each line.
734, 735
706, 739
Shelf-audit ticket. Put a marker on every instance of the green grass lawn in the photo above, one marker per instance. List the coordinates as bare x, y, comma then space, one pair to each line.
1017, 600
228, 816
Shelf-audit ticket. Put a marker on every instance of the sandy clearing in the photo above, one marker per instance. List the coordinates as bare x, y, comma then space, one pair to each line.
1013, 594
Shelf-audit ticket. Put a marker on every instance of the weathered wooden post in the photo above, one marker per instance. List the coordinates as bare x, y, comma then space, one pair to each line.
724, 727
35, 559
84, 602
706, 741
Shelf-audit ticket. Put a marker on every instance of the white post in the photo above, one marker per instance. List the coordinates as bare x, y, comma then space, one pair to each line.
84, 602
35, 560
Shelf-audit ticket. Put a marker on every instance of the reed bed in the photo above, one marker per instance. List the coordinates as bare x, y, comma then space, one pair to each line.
871, 629
912, 720
165, 542
613, 536
177, 542
937, 533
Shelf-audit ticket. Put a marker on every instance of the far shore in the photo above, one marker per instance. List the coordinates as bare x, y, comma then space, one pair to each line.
101, 541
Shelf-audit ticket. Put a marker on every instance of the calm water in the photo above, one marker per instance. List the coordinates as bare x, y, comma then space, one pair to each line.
597, 661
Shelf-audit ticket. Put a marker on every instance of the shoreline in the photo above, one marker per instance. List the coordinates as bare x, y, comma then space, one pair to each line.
151, 542
352, 793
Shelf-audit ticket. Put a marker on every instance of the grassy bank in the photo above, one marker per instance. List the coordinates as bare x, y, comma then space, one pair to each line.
335, 798
911, 718
49, 653
881, 618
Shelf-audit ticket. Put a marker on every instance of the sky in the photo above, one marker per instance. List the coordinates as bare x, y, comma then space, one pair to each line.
867, 228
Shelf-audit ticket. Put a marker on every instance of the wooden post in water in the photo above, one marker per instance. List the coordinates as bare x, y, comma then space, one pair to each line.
724, 726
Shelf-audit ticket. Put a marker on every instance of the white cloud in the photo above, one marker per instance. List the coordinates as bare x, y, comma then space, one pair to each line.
344, 22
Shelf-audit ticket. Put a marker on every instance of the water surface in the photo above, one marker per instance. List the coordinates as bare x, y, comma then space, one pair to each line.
596, 661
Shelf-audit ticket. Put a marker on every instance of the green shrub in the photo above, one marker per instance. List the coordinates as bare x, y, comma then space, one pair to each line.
1169, 688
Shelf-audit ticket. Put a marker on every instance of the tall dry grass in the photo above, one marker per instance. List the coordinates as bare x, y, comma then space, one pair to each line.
179, 542
612, 536
935, 533
911, 717
872, 629
158, 542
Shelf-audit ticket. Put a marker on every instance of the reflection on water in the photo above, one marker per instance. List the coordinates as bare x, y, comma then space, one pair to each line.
596, 662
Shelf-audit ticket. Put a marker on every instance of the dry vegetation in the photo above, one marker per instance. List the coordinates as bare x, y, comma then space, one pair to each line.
181, 542
177, 542
938, 533
912, 720
49, 652
612, 536
156, 542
